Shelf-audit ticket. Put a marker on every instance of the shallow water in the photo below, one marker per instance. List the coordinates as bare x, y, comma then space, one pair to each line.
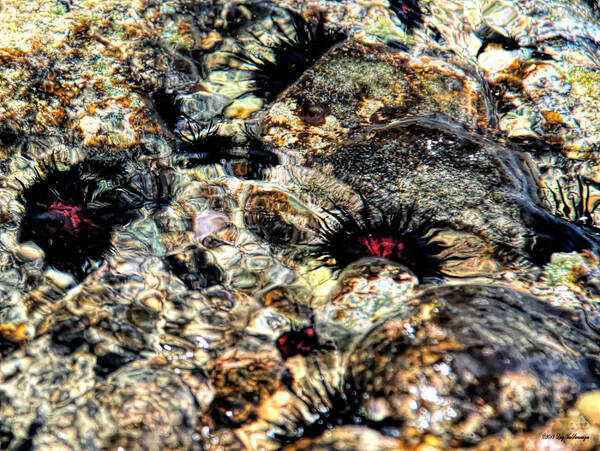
300, 225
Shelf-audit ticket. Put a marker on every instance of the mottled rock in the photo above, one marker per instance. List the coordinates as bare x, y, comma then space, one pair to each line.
468, 361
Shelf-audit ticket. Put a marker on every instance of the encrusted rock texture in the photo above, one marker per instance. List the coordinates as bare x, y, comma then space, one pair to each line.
317, 224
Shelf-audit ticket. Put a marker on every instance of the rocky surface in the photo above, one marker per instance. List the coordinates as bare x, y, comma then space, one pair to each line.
299, 225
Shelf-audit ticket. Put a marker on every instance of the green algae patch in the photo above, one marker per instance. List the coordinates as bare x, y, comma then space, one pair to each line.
57, 9
584, 82
174, 35
564, 268
354, 75
383, 28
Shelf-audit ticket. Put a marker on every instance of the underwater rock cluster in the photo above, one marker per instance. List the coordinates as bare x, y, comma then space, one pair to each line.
299, 225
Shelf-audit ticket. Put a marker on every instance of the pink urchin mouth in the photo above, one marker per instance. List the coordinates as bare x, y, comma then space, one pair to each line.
65, 217
381, 246
297, 342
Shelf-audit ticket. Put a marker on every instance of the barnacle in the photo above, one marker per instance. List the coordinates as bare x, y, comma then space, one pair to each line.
292, 55
397, 237
72, 213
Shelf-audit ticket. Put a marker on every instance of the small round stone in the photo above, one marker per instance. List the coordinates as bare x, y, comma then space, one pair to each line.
29, 251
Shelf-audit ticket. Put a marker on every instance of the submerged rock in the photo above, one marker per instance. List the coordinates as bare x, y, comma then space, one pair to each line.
409, 133
469, 361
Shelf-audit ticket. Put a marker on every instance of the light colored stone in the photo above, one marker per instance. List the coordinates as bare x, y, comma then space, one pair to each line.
29, 251
589, 406
60, 279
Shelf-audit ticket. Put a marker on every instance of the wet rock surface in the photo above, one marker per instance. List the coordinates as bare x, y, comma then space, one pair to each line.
299, 225
467, 361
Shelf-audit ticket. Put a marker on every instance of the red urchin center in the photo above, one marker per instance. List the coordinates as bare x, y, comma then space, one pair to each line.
70, 217
297, 342
382, 246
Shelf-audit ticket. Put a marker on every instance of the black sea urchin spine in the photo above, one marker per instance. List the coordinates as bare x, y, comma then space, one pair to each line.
292, 55
168, 107
204, 147
575, 205
328, 407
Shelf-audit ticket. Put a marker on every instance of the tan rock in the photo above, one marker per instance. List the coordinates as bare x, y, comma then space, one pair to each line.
589, 406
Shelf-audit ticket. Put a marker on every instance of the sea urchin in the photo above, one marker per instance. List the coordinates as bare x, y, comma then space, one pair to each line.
398, 238
291, 55
207, 146
71, 213
297, 342
320, 407
408, 12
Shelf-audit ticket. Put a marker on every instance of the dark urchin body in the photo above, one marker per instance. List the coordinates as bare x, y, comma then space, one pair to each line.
72, 213
408, 12
398, 238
